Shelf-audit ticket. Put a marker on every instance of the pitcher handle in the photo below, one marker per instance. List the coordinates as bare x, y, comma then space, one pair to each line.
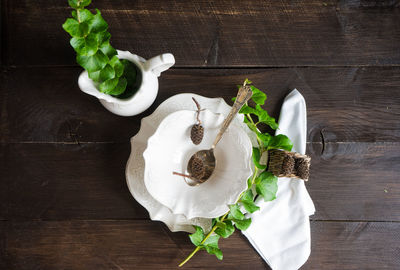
160, 63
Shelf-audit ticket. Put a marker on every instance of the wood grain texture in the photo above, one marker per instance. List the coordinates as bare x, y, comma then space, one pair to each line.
349, 181
149, 245
217, 33
343, 104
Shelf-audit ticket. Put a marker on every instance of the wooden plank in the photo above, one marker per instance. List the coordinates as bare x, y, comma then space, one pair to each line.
349, 181
344, 104
355, 181
3, 15
148, 245
63, 181
218, 33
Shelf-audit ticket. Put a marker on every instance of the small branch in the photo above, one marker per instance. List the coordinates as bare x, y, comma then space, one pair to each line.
198, 110
182, 174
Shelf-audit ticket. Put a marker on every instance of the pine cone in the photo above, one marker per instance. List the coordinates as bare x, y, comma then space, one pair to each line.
197, 133
287, 165
303, 169
197, 168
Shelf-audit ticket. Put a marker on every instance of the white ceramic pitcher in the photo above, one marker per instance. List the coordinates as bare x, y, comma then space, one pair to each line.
146, 93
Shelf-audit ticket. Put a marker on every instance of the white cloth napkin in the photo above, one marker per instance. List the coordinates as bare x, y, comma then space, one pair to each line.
280, 230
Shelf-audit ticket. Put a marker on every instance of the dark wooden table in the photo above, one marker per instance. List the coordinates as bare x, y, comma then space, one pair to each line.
64, 203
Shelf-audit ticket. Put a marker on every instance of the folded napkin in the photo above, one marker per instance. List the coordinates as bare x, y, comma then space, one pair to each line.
280, 230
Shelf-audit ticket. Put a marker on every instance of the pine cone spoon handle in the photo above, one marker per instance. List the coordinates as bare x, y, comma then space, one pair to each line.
243, 96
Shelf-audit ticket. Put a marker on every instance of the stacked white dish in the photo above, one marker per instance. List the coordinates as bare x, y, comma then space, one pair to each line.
163, 145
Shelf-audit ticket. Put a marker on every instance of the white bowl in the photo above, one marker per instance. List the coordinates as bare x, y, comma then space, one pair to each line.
135, 164
170, 149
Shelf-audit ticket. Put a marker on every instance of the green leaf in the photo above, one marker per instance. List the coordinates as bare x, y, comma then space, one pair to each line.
85, 45
220, 225
267, 186
117, 65
73, 3
107, 49
246, 109
98, 24
102, 37
280, 142
247, 81
225, 230
235, 212
216, 251
94, 62
109, 85
248, 201
120, 88
264, 117
197, 236
79, 3
258, 96
211, 246
85, 15
74, 28
107, 73
256, 159
84, 3
243, 224
74, 15
264, 137
95, 75
212, 241
130, 71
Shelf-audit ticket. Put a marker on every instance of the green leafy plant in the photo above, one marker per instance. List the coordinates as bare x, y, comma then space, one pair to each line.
91, 42
264, 183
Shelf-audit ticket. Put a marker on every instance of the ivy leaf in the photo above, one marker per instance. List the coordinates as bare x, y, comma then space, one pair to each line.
264, 137
243, 224
197, 236
211, 246
256, 159
117, 65
130, 72
248, 201
85, 15
84, 3
85, 45
74, 28
246, 109
95, 75
98, 24
120, 88
109, 85
94, 62
107, 73
264, 117
107, 49
235, 212
102, 37
74, 15
220, 225
280, 142
258, 96
225, 230
267, 186
79, 3
247, 81
73, 3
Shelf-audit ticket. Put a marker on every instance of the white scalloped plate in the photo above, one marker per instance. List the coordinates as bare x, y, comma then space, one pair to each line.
135, 165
